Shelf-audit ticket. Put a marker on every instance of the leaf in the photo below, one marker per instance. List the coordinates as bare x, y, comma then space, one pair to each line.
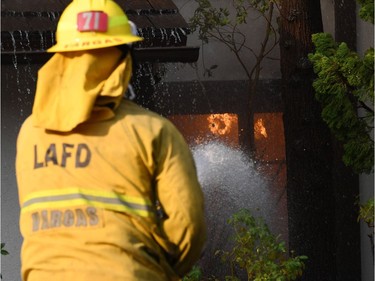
3, 251
345, 83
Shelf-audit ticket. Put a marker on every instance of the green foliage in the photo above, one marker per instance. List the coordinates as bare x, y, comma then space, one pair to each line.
366, 11
366, 212
3, 251
344, 85
194, 275
206, 18
257, 251
209, 20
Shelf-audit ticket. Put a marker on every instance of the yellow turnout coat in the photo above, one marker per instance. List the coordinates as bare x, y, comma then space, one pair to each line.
115, 199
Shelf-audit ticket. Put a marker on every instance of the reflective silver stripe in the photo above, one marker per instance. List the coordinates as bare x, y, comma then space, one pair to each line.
106, 200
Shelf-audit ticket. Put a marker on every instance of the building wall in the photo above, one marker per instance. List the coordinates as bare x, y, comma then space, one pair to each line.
215, 53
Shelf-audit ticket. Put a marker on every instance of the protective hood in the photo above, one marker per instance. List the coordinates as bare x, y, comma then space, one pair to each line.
77, 87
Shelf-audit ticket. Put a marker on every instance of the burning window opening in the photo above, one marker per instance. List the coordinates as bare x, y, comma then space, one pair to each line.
259, 129
221, 124
269, 137
200, 128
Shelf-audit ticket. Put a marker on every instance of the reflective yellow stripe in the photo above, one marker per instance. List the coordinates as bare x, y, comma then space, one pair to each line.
112, 22
117, 21
77, 196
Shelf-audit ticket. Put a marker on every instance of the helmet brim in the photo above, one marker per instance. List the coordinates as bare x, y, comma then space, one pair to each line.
95, 43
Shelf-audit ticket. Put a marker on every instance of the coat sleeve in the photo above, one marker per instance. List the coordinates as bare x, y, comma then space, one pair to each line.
181, 198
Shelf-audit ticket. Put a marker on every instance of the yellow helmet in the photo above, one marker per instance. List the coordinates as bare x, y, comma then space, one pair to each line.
93, 24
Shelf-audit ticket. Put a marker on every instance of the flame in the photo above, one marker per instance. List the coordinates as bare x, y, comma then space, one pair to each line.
220, 124
259, 129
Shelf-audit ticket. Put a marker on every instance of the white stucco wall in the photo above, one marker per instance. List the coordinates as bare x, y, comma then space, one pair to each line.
215, 53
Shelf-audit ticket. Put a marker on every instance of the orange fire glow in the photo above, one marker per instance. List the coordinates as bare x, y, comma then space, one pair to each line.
260, 129
221, 124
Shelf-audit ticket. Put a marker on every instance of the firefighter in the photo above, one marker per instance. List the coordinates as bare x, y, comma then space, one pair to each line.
108, 190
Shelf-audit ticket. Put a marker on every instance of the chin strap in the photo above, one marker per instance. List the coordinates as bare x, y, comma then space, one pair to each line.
133, 28
130, 94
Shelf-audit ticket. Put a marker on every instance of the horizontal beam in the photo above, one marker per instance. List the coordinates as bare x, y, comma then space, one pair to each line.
153, 54
167, 54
